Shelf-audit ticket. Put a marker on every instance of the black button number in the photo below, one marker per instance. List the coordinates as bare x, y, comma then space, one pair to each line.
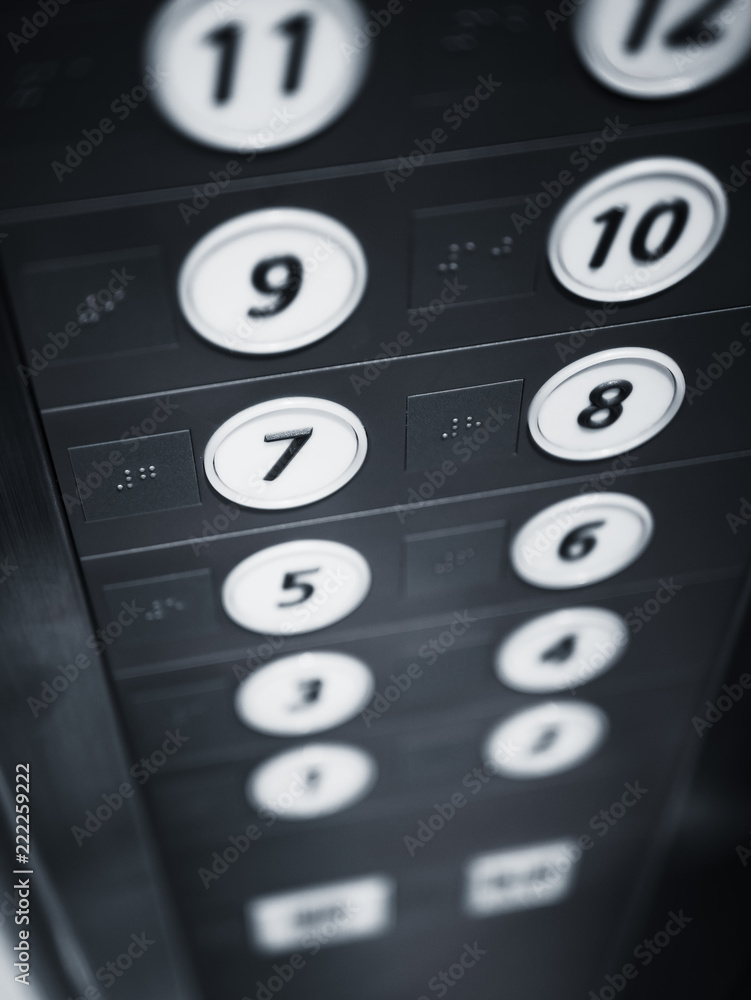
297, 440
577, 544
607, 404
612, 219
284, 290
291, 581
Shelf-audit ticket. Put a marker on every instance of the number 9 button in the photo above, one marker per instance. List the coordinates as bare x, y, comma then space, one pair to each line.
637, 229
606, 404
272, 281
582, 540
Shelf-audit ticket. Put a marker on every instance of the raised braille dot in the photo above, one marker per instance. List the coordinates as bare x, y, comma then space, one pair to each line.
444, 436
470, 246
152, 468
454, 248
152, 475
119, 487
142, 470
143, 476
127, 472
495, 251
443, 267
130, 486
453, 266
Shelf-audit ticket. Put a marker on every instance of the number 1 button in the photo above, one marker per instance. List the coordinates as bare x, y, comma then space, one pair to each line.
285, 453
582, 540
272, 281
296, 587
637, 229
606, 403
255, 75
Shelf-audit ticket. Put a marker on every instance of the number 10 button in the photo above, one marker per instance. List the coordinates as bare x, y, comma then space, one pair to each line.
285, 453
637, 230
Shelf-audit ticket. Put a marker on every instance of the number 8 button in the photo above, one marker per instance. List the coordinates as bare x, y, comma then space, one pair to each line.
606, 403
637, 230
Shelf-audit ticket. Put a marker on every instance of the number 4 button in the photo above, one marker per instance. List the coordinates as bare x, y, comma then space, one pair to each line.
285, 453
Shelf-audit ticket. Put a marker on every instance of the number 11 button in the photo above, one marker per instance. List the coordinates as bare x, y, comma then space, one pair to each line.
637, 230
285, 453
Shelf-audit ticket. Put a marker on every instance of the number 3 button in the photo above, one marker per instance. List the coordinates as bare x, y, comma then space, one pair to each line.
296, 587
606, 404
272, 281
637, 230
285, 453
582, 540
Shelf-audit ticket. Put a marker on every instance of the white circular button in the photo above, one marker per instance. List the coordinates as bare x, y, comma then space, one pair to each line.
255, 75
637, 229
305, 693
546, 739
311, 781
606, 403
581, 540
272, 281
654, 50
562, 649
296, 587
285, 453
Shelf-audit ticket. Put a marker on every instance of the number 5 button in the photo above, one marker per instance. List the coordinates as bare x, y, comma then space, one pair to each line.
296, 587
582, 540
637, 230
606, 403
272, 281
285, 453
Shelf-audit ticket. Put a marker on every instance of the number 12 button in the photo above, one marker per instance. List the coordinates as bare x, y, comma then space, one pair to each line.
637, 230
285, 453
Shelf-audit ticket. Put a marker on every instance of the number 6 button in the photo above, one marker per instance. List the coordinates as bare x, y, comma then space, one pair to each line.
606, 403
637, 230
272, 281
582, 540
296, 587
285, 453
252, 75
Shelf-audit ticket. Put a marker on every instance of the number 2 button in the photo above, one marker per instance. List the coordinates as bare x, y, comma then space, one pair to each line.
606, 403
252, 75
296, 587
272, 281
285, 453
582, 540
637, 229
